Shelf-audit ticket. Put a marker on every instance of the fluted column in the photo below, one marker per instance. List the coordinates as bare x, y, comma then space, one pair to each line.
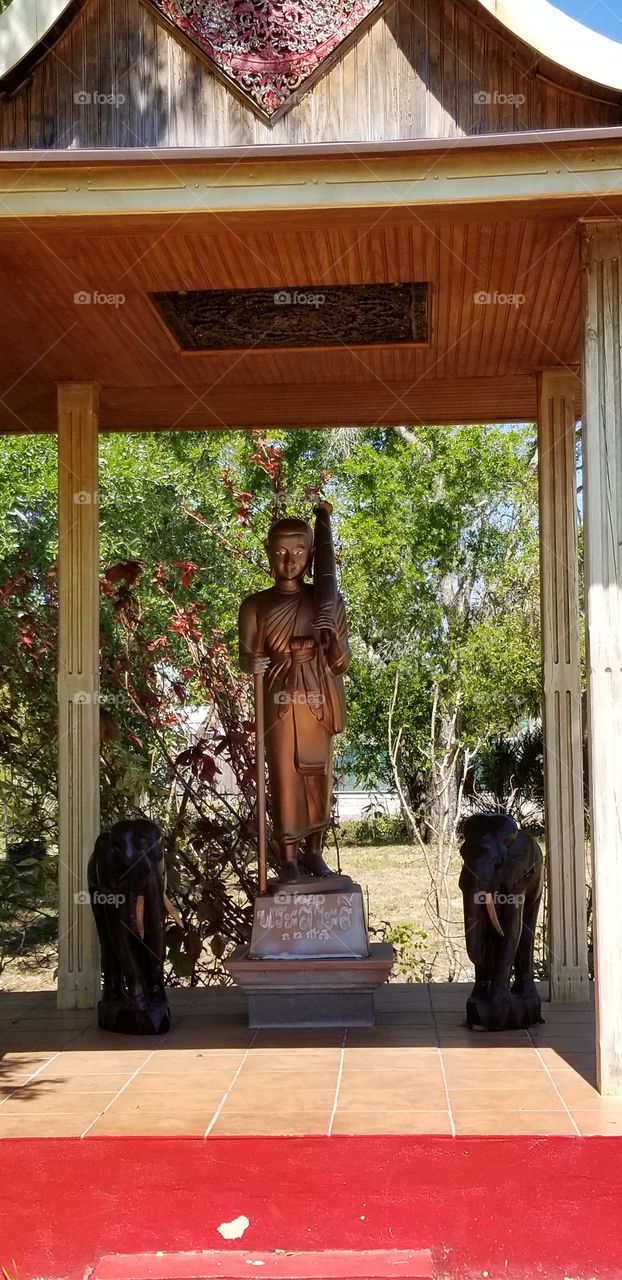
78, 688
602, 466
561, 669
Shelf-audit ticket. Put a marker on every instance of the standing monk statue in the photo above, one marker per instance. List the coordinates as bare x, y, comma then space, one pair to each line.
294, 634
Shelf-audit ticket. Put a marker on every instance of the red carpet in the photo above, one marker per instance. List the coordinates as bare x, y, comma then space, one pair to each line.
388, 1264
509, 1207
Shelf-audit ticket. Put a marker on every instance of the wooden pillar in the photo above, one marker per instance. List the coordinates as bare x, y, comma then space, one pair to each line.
561, 667
602, 469
78, 688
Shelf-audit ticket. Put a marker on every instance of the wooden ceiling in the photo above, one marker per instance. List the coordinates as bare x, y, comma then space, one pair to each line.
480, 364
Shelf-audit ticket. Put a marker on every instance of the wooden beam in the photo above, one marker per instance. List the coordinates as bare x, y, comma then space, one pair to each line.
507, 398
602, 461
561, 669
130, 185
78, 689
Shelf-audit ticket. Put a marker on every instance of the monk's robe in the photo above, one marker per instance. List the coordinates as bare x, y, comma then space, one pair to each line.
304, 704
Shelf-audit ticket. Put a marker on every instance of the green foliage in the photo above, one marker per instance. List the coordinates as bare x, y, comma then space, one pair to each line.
27, 911
408, 942
437, 538
509, 771
440, 568
374, 829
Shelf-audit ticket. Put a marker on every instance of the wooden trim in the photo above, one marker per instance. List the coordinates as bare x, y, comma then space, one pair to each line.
78, 689
602, 466
561, 670
585, 175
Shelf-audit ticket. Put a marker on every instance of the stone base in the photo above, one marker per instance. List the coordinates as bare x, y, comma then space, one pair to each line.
303, 992
129, 1020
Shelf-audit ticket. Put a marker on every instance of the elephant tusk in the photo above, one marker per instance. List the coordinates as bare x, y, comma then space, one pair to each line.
172, 911
140, 915
492, 915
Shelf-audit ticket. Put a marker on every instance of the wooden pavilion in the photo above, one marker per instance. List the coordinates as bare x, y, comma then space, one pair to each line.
448, 170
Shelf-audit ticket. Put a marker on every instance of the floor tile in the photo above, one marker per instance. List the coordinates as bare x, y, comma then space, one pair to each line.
390, 1036
535, 1097
10, 1082
579, 1060
466, 1076
300, 1038
498, 1123
73, 1064
58, 1126
284, 1081
578, 1092
47, 1104
362, 1122
597, 1121
189, 1037
272, 1096
115, 1125
504, 1058
283, 1058
134, 1104
250, 1122
168, 1058
191, 1078
57, 1086
394, 1094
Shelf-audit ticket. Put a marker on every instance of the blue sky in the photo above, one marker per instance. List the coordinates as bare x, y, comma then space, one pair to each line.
602, 15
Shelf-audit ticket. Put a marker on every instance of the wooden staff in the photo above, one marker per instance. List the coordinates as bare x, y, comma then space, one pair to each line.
325, 590
260, 759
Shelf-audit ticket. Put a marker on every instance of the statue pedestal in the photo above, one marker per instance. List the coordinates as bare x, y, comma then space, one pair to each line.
310, 963
302, 992
312, 919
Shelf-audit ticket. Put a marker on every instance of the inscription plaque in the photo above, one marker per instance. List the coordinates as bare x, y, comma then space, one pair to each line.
318, 925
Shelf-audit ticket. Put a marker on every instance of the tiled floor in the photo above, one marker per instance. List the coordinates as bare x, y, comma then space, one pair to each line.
417, 1071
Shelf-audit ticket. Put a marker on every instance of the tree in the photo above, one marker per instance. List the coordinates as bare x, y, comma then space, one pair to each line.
438, 535
440, 557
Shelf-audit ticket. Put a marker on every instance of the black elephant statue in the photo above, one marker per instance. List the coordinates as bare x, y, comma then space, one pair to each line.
128, 897
501, 881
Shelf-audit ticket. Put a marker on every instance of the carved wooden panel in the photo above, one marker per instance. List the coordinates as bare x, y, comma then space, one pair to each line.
343, 315
269, 51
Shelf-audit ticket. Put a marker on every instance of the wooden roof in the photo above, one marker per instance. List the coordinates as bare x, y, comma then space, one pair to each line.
485, 348
470, 213
419, 69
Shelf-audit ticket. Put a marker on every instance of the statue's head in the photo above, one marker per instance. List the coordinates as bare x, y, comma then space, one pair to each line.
290, 549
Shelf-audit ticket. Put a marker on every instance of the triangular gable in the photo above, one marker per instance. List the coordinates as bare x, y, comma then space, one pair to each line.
269, 51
